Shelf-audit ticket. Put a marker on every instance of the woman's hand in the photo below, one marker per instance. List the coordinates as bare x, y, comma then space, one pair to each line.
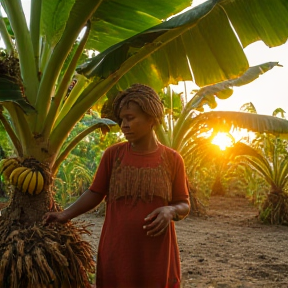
159, 220
60, 217
84, 203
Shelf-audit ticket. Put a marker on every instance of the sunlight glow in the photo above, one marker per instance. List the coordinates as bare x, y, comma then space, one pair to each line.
222, 140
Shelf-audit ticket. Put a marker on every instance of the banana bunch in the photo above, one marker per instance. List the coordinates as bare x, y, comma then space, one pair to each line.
7, 166
27, 180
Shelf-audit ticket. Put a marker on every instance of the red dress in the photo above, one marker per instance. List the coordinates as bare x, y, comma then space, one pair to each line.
136, 184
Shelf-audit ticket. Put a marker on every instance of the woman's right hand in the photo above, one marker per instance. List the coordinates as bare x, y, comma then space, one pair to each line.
60, 217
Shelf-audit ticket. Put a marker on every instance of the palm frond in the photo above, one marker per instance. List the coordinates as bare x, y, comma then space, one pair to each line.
252, 122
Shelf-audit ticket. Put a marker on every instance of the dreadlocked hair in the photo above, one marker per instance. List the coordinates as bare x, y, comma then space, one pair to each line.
144, 96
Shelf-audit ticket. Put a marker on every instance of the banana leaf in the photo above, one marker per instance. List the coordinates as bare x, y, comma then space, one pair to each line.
11, 92
252, 122
223, 90
201, 40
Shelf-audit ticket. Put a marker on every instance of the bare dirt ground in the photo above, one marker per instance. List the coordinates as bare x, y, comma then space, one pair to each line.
226, 248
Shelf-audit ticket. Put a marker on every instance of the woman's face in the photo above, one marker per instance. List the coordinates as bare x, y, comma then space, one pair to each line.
136, 125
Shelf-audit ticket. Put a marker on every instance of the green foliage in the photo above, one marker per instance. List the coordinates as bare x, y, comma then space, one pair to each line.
173, 102
134, 50
72, 180
269, 159
201, 181
246, 182
77, 170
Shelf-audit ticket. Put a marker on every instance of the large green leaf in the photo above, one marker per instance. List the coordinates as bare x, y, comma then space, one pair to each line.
118, 20
112, 22
202, 39
272, 164
255, 20
187, 36
54, 17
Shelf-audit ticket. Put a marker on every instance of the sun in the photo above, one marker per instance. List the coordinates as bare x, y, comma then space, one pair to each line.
223, 140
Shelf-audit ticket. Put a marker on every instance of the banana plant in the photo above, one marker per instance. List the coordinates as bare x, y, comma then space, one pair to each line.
74, 175
181, 122
268, 158
271, 163
48, 83
199, 150
180, 128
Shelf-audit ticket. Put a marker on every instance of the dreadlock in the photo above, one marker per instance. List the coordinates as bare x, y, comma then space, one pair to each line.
144, 96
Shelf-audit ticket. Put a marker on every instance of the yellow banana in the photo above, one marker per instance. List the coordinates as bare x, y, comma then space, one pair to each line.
8, 161
32, 183
40, 183
27, 181
5, 163
8, 170
15, 174
21, 178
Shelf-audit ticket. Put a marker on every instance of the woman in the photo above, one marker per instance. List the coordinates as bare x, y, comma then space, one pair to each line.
144, 185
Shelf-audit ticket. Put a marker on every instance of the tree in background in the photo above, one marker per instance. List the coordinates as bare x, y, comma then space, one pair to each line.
269, 160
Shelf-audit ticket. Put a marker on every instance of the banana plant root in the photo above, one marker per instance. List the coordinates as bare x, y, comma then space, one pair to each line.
44, 256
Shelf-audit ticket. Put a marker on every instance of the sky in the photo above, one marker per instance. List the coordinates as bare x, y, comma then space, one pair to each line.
270, 90
267, 93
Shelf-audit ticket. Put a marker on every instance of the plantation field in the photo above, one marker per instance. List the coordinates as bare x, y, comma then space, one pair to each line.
227, 248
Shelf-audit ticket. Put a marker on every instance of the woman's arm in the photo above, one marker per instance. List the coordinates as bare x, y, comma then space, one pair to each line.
84, 203
179, 210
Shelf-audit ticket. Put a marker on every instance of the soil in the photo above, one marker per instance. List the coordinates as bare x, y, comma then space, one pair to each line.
226, 248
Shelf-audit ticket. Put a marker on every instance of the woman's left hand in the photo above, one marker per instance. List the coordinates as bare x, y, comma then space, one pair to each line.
158, 221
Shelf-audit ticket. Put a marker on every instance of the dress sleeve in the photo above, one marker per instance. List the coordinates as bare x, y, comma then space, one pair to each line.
101, 179
179, 183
